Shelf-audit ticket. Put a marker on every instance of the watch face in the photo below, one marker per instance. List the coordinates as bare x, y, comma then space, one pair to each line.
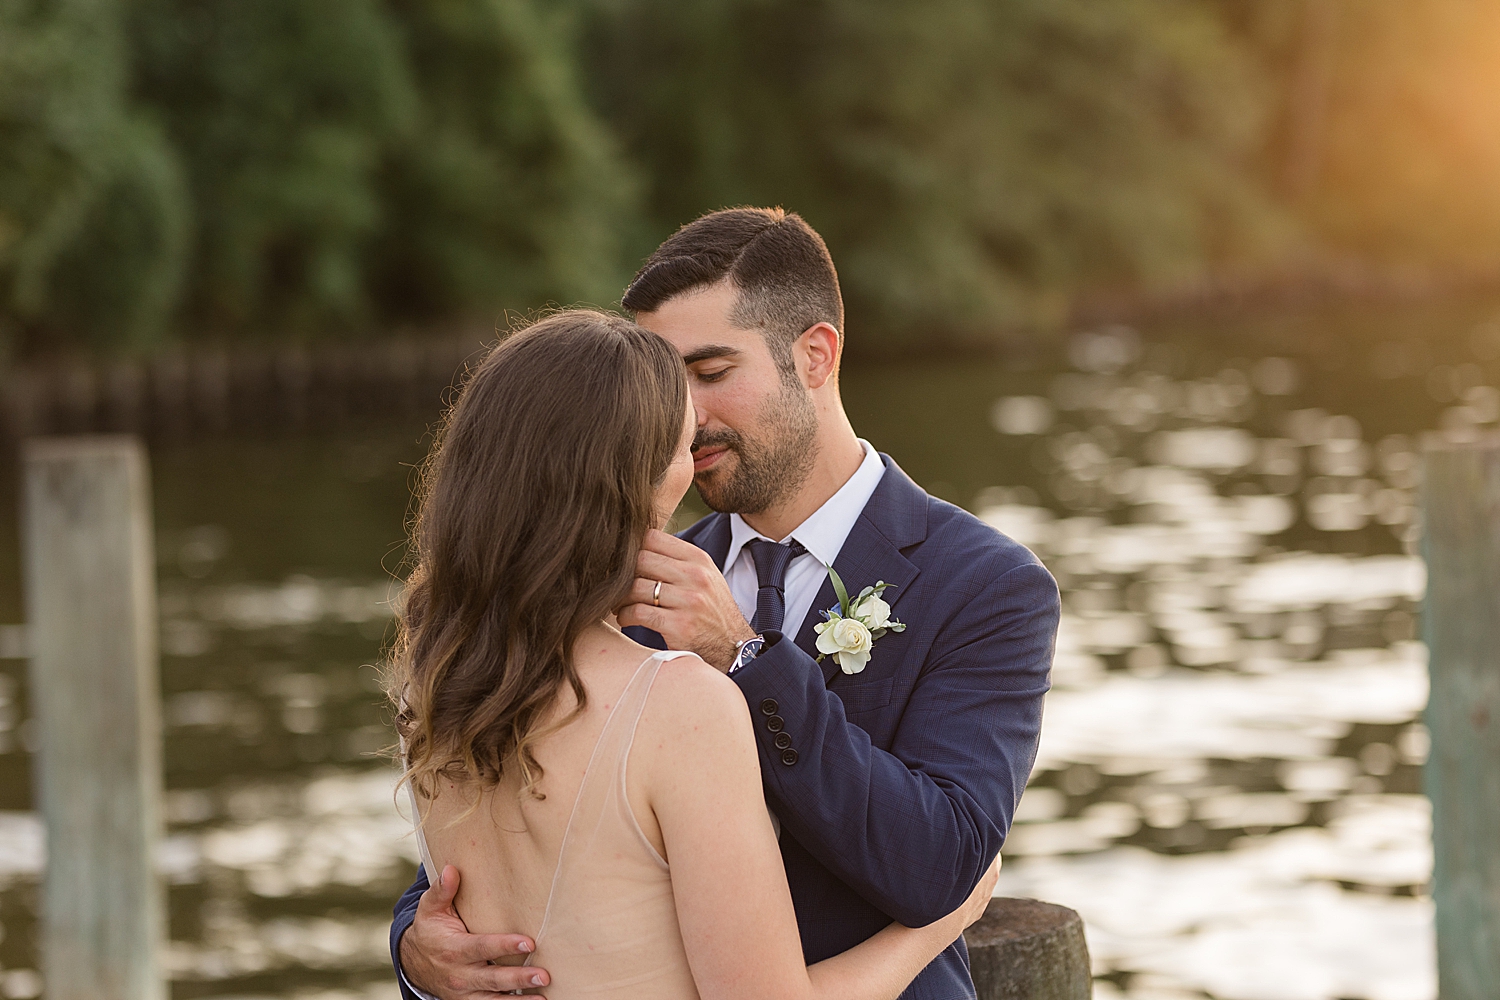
749, 651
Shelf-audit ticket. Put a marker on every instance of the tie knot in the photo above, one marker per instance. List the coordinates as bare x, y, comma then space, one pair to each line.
772, 558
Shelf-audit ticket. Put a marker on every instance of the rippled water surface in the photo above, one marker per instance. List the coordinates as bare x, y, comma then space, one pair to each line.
1229, 781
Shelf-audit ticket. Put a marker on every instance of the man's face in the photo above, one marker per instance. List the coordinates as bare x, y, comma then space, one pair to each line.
756, 437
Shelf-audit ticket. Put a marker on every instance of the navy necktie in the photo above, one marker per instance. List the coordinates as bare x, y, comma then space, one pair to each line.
771, 561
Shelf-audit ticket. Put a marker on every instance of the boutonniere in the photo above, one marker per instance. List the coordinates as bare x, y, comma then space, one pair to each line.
848, 631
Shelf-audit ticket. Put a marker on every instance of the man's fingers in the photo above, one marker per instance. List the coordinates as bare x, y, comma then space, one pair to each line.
475, 949
643, 615
509, 978
671, 595
655, 566
643, 591
439, 895
689, 580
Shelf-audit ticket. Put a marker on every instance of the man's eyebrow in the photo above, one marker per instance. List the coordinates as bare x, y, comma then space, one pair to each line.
708, 352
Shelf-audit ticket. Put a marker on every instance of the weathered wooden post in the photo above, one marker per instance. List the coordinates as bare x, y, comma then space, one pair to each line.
91, 611
1024, 949
1461, 512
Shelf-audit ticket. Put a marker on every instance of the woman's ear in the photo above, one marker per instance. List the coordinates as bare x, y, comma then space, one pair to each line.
819, 347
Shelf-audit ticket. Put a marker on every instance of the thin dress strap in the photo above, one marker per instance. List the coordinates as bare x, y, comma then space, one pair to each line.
603, 789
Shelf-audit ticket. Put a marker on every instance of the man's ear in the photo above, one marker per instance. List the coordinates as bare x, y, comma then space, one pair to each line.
819, 348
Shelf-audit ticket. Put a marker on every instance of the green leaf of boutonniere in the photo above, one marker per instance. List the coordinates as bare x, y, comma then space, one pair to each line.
842, 592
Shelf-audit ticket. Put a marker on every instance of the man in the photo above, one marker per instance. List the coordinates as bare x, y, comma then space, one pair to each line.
894, 778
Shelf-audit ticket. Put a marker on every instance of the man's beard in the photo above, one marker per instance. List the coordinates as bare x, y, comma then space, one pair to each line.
771, 467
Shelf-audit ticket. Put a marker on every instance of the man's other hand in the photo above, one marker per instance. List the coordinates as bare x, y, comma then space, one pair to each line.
439, 956
696, 611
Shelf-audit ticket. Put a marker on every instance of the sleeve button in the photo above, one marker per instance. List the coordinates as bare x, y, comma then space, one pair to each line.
783, 741
789, 757
775, 723
769, 707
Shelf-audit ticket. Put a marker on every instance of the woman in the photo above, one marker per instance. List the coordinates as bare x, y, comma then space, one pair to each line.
608, 806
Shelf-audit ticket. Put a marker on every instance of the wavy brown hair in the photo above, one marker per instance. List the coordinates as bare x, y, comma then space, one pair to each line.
532, 507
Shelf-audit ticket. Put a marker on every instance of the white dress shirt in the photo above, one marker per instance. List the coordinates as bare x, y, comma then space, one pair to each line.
822, 535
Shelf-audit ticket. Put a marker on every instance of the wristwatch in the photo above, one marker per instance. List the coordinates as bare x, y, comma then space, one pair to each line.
747, 651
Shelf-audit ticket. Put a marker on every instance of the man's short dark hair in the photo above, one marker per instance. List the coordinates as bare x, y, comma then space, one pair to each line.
779, 264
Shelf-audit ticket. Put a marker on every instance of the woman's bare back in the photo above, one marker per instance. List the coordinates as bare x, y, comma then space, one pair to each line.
581, 869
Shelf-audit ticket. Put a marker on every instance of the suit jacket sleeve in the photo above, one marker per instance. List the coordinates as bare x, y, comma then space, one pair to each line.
405, 913
913, 829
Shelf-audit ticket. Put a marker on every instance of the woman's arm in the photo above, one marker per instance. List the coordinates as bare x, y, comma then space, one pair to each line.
698, 765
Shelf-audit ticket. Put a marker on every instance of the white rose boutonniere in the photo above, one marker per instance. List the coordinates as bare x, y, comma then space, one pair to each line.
849, 631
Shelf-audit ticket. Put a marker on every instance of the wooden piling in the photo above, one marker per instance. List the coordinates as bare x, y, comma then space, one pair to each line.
1024, 949
91, 609
1461, 514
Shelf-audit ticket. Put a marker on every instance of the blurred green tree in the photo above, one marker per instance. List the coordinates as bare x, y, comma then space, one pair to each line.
972, 164
508, 190
283, 113
94, 210
283, 168
358, 162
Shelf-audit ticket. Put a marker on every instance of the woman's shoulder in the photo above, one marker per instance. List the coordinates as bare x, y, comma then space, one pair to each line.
688, 681
694, 737
694, 702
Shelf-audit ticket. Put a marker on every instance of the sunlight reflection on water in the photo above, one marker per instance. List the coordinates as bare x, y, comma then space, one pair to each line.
1226, 786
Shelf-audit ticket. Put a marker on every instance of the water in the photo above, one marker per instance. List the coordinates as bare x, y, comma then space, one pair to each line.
1229, 781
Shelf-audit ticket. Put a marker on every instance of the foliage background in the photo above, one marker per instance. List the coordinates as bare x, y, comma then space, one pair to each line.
181, 170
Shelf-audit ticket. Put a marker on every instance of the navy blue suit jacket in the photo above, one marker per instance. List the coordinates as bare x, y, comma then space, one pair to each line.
906, 775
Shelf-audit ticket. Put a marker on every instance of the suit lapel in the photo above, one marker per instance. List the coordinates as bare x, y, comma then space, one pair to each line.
894, 517
711, 534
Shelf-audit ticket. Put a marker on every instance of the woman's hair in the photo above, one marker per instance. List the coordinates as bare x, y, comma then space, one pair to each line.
532, 507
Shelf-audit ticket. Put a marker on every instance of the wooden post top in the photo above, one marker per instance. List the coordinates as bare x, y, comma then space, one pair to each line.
1008, 919
1025, 949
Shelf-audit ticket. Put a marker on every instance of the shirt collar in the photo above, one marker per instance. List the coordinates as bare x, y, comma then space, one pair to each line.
825, 530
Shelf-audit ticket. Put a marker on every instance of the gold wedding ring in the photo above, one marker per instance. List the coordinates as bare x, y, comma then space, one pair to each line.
656, 595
